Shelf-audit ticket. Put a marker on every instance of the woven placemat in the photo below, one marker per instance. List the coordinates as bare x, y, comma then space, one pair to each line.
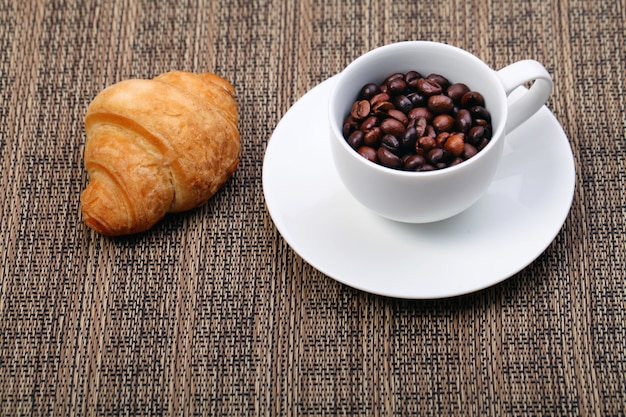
211, 312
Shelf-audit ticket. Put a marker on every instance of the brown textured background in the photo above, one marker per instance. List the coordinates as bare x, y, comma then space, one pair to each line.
211, 313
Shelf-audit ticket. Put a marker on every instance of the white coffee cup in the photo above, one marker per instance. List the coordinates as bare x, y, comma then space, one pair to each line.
421, 197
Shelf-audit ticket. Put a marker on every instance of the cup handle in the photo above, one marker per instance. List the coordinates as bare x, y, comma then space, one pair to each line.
517, 74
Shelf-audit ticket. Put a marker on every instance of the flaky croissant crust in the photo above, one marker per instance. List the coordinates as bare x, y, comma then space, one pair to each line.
155, 147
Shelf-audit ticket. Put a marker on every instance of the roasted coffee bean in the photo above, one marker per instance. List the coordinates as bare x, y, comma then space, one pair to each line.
379, 98
402, 103
441, 139
368, 153
479, 112
418, 112
382, 107
355, 140
455, 161
413, 162
368, 91
443, 123
430, 131
472, 98
428, 87
476, 135
440, 103
411, 78
390, 142
439, 79
426, 143
394, 76
399, 116
469, 151
435, 155
371, 137
418, 123
349, 126
455, 144
392, 126
408, 139
488, 131
417, 99
388, 158
425, 168
456, 91
360, 109
369, 123
396, 86
463, 120
420, 126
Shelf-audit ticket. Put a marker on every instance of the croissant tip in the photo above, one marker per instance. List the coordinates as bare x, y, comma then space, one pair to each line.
96, 207
219, 80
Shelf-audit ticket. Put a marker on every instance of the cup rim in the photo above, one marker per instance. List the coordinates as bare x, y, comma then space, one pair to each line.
337, 134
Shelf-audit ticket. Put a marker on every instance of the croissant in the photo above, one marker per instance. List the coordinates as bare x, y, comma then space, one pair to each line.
157, 146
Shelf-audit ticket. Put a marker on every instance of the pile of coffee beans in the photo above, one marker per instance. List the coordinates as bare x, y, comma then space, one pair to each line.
416, 123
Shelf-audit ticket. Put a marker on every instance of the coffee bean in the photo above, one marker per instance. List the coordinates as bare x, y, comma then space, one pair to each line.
411, 78
430, 131
435, 155
479, 112
399, 116
425, 168
368, 153
388, 158
417, 99
368, 91
440, 103
469, 151
382, 107
418, 123
394, 76
355, 140
456, 91
369, 123
463, 120
413, 162
455, 161
426, 142
443, 123
418, 112
420, 126
475, 135
390, 142
455, 144
428, 87
441, 139
408, 139
379, 97
396, 86
402, 103
349, 126
392, 126
371, 137
360, 109
472, 98
439, 79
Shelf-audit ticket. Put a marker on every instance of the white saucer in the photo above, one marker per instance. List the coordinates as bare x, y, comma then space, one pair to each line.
507, 229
